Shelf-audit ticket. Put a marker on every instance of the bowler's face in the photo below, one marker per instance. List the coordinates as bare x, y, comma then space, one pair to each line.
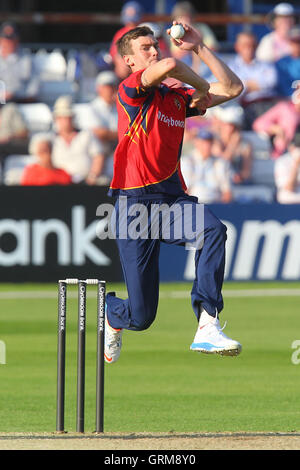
145, 52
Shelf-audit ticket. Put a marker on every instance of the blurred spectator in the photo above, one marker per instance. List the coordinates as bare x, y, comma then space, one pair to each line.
276, 44
280, 123
259, 78
16, 67
207, 177
230, 144
105, 110
287, 175
131, 15
79, 153
12, 124
184, 12
43, 173
288, 67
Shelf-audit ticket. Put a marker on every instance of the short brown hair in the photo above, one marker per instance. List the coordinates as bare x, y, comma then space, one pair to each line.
124, 45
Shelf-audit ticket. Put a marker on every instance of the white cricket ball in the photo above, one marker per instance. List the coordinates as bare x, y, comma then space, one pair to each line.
177, 31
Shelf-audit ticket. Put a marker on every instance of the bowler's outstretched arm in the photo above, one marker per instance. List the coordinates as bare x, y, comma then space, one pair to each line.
228, 85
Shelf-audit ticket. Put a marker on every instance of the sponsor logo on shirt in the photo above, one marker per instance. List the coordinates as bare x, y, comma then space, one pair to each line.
169, 120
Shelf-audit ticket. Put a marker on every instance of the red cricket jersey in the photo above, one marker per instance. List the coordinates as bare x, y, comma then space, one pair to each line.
150, 129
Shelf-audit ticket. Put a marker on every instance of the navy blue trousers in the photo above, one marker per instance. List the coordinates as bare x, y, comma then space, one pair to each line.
139, 256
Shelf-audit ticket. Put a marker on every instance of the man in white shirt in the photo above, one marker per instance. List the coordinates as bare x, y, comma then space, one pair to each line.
287, 176
105, 111
259, 78
79, 153
275, 45
207, 177
16, 67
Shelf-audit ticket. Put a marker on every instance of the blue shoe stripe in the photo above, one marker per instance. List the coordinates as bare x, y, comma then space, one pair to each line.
205, 346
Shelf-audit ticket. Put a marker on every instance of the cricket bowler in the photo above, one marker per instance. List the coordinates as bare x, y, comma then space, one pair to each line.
151, 121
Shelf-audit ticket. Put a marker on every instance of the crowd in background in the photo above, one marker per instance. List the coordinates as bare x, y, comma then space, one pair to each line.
226, 153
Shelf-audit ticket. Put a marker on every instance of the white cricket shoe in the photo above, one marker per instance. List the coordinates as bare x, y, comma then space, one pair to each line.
210, 339
112, 343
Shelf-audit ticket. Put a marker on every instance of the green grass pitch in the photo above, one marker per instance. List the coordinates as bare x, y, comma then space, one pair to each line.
158, 384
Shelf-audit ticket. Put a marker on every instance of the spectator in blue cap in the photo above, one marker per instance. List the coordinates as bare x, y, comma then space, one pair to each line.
16, 67
288, 67
131, 12
131, 15
207, 176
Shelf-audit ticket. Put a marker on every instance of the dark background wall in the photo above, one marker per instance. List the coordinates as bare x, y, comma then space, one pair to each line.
87, 34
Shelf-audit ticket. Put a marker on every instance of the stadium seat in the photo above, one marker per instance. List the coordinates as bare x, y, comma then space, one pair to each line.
87, 89
84, 116
263, 172
14, 166
260, 143
50, 66
50, 90
263, 188
71, 65
37, 116
253, 193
